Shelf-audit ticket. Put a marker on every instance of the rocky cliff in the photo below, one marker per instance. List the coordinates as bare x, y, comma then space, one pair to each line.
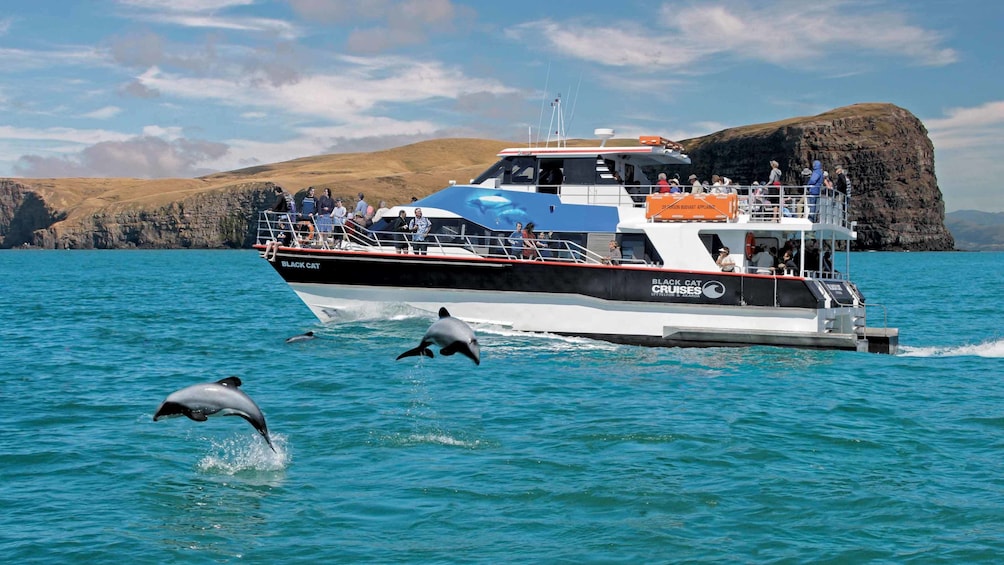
885, 149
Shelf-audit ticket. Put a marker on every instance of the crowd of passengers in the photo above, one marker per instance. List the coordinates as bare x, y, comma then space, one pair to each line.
336, 225
772, 261
766, 197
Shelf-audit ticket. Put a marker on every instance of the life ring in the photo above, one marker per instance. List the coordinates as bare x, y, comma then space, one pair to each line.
750, 244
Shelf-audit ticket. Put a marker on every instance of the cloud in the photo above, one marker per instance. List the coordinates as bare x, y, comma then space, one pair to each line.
140, 157
199, 14
5, 24
354, 89
104, 113
393, 24
968, 143
687, 39
186, 5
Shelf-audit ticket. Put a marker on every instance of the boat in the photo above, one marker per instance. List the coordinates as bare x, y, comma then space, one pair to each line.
667, 288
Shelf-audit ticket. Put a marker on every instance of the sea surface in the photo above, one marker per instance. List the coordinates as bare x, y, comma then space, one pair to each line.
553, 450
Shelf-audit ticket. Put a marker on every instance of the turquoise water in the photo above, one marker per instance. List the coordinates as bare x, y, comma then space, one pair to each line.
553, 450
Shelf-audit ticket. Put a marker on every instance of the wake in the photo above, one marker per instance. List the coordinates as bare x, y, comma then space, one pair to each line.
990, 349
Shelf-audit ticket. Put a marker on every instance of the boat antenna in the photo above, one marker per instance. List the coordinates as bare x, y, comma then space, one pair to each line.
543, 101
557, 125
575, 101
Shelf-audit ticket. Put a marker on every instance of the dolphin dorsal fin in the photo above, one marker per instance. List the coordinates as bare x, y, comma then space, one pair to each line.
443, 313
230, 381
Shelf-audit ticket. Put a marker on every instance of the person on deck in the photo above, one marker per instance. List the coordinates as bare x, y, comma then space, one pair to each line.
815, 187
516, 241
420, 226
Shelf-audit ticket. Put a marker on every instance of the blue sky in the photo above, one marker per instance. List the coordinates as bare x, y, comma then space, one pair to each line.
180, 88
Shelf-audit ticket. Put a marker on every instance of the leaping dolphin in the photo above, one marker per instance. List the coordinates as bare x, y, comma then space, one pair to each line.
222, 398
302, 337
452, 335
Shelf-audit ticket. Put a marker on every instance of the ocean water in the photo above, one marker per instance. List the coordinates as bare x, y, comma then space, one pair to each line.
553, 450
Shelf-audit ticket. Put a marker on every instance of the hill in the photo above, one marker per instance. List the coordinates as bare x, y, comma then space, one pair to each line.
977, 231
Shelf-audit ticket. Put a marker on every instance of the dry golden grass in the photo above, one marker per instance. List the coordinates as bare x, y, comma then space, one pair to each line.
393, 175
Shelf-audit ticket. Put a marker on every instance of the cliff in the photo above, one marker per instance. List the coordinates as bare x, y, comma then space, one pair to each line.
885, 149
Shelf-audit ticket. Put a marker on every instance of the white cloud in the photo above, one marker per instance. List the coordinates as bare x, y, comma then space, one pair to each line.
5, 24
685, 38
204, 14
61, 134
185, 5
104, 113
360, 87
968, 143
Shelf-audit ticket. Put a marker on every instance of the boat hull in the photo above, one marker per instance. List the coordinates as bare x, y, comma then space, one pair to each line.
622, 304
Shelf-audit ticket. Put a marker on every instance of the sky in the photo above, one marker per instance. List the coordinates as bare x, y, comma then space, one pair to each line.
183, 88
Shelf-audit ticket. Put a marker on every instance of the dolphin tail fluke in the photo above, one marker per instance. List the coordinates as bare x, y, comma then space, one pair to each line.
422, 349
262, 429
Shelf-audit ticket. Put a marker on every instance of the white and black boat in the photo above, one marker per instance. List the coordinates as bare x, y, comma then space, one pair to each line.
666, 289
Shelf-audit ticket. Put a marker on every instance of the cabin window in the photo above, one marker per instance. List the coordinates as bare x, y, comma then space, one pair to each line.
551, 175
493, 172
520, 170
581, 171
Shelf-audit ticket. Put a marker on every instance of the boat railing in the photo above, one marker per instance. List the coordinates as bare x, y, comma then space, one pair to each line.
758, 203
305, 233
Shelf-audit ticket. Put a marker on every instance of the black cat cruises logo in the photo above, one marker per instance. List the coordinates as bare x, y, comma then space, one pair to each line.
687, 288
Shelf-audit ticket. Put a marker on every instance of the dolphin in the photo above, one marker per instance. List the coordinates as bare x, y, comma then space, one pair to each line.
452, 335
302, 337
222, 398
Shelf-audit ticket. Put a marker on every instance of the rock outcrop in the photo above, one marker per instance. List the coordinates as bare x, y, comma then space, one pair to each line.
885, 149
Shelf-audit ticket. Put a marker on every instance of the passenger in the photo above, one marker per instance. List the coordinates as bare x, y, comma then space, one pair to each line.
307, 207
695, 185
400, 227
663, 184
841, 185
529, 242
815, 186
674, 186
724, 261
614, 258
544, 245
786, 266
322, 217
516, 241
381, 211
774, 196
762, 261
356, 231
361, 205
716, 184
338, 216
284, 209
420, 226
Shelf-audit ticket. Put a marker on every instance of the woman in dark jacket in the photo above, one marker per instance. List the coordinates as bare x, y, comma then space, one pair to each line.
400, 227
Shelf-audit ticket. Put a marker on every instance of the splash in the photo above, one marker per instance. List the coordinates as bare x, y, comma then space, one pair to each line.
989, 349
241, 454
440, 438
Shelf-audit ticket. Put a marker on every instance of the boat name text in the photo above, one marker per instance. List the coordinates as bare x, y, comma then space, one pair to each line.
688, 288
301, 265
